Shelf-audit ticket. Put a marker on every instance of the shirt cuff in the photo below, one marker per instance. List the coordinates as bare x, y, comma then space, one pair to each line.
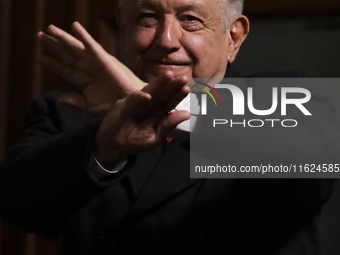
98, 171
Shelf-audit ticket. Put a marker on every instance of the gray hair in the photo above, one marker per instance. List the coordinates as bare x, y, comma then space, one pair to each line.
231, 10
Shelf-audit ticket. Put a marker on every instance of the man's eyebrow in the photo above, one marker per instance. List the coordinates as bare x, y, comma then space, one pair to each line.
141, 4
188, 7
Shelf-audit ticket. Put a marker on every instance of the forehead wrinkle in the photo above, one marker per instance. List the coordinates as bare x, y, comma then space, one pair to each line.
148, 4
180, 6
211, 16
188, 7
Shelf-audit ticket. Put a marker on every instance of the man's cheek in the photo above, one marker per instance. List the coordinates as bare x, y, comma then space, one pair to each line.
143, 38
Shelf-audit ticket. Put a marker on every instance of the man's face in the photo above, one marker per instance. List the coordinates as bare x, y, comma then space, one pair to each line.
184, 36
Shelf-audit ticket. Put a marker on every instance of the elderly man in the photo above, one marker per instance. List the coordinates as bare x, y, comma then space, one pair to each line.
101, 172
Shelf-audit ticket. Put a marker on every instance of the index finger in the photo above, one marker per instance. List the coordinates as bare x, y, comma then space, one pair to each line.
72, 44
85, 37
155, 87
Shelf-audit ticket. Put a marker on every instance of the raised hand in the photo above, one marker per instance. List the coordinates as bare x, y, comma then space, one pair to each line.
141, 120
136, 115
100, 77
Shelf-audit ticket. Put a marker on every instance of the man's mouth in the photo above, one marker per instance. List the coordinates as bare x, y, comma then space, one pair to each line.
170, 63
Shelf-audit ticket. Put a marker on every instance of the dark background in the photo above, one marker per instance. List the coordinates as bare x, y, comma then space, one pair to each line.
285, 34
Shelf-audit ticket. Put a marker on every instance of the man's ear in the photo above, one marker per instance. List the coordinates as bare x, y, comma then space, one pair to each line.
238, 32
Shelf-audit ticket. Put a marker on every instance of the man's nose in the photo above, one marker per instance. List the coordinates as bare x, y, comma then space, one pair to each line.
169, 34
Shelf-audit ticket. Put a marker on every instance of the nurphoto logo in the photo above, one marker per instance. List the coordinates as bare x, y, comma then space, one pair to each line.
239, 102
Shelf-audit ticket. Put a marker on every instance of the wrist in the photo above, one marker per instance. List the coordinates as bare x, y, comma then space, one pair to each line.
107, 153
112, 167
109, 157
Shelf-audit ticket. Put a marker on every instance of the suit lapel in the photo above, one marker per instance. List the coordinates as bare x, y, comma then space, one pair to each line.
169, 177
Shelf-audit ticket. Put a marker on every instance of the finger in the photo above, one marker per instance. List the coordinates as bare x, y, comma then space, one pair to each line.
169, 123
75, 77
69, 61
54, 46
47, 39
156, 87
173, 93
176, 99
137, 102
85, 37
73, 45
170, 90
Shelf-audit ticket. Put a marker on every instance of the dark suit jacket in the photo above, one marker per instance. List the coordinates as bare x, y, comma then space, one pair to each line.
151, 206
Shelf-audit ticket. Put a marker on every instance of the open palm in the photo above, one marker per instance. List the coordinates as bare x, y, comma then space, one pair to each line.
99, 76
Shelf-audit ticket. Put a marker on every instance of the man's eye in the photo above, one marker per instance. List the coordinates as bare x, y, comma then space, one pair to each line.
148, 15
191, 18
148, 19
191, 23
